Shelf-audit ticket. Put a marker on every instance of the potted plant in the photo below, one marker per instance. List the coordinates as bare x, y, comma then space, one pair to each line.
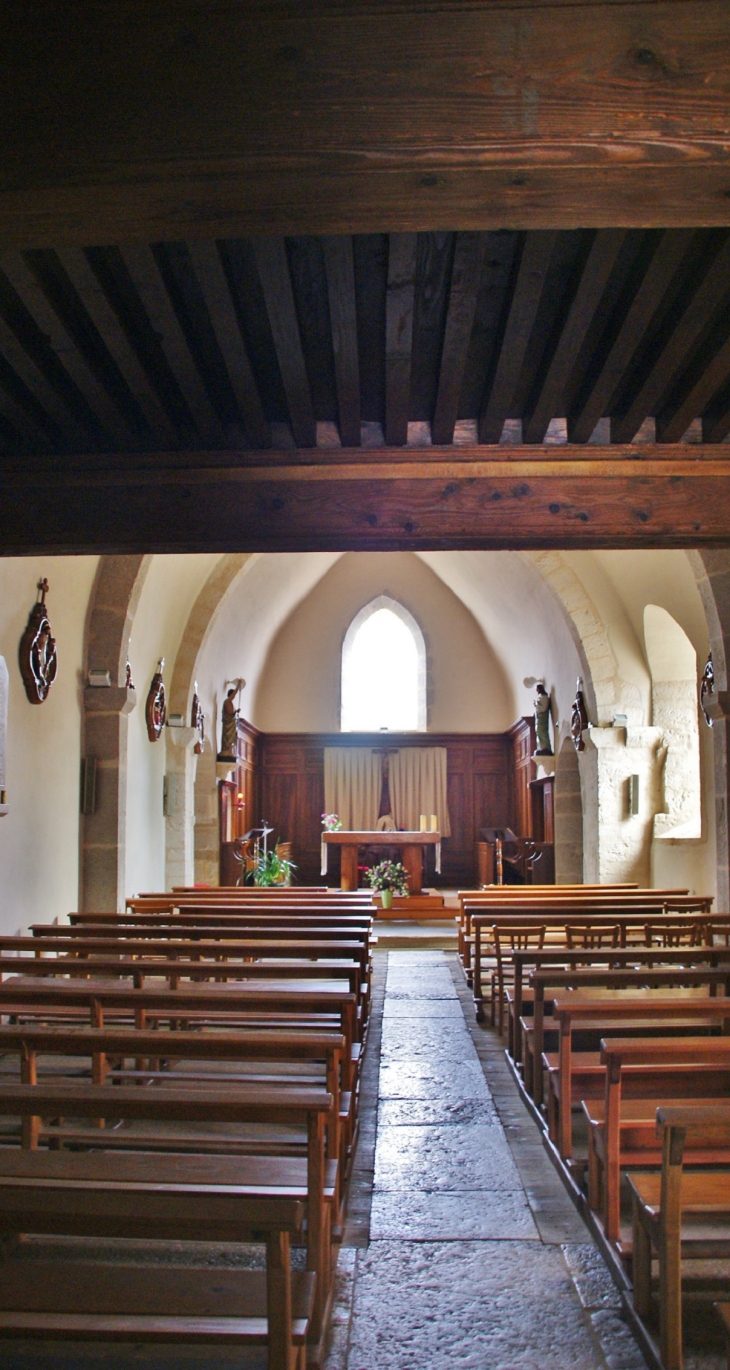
389, 878
271, 869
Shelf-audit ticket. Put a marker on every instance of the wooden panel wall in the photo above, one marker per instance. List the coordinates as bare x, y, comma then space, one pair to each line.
487, 787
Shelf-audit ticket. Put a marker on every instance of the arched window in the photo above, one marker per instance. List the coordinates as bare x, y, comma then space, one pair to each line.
383, 670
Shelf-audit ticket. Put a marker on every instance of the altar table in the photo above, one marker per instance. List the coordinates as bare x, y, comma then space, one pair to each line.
411, 843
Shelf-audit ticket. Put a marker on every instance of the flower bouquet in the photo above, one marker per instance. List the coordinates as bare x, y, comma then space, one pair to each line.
331, 822
389, 878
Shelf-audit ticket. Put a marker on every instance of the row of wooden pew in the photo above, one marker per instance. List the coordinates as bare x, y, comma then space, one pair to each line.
188, 1070
615, 1005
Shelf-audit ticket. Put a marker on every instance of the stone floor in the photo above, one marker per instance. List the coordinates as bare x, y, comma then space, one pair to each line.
466, 1250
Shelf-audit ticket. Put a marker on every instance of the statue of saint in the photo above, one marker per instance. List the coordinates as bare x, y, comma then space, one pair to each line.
542, 721
229, 731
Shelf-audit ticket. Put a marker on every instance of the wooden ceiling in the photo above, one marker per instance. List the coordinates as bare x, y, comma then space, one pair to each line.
383, 274
374, 339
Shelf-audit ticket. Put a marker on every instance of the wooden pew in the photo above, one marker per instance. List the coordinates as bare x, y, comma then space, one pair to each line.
171, 1197
664, 1207
300, 1006
633, 1012
639, 1074
153, 1050
530, 898
631, 925
551, 959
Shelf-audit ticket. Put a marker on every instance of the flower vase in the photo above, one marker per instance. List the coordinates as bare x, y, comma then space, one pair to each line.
386, 899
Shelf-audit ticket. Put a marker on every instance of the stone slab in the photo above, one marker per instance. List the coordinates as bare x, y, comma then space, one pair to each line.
445, 1217
450, 1081
438, 1305
454, 1156
408, 1040
418, 1008
417, 1112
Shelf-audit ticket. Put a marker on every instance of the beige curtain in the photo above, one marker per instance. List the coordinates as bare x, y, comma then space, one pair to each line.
418, 785
353, 778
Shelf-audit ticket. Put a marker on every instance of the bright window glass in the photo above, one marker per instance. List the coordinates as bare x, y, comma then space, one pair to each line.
383, 673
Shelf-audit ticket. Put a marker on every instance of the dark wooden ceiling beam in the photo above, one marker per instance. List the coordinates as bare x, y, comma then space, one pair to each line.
90, 293
463, 291
677, 348
529, 285
550, 403
399, 116
45, 395
29, 290
273, 269
668, 257
30, 432
393, 498
399, 305
213, 283
673, 421
150, 287
340, 269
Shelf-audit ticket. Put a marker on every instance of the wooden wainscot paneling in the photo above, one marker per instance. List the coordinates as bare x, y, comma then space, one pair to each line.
522, 742
482, 784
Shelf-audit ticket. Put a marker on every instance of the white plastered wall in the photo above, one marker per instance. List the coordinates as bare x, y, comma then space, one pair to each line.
39, 835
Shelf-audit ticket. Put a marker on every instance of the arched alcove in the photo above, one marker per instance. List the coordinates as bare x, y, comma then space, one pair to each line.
673, 664
384, 670
568, 817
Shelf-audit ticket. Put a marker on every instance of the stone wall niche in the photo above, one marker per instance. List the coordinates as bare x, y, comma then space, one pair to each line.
673, 664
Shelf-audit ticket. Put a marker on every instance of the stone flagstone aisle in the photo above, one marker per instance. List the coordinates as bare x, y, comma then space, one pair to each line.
476, 1257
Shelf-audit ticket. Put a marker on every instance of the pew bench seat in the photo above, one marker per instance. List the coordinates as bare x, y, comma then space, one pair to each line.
193, 1305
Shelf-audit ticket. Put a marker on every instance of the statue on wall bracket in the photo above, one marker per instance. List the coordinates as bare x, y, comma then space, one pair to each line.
707, 688
541, 705
156, 707
37, 655
578, 718
197, 721
229, 723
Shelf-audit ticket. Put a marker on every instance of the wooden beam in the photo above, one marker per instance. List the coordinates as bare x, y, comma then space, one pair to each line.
150, 287
673, 421
400, 116
465, 276
677, 348
551, 401
89, 290
93, 394
645, 496
665, 262
224, 321
343, 315
273, 269
399, 334
45, 395
530, 283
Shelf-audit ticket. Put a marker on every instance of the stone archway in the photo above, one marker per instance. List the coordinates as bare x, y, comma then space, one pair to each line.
112, 607
712, 573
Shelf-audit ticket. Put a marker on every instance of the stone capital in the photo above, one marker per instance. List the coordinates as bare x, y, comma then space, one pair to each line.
109, 699
184, 738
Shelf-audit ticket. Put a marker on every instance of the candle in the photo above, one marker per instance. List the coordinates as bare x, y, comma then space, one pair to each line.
423, 822
434, 822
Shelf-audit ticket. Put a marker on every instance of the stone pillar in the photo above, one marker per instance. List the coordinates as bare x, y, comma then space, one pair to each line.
206, 831
182, 762
103, 854
568, 816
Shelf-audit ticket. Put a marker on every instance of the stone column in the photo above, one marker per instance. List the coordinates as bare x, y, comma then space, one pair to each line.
182, 762
104, 839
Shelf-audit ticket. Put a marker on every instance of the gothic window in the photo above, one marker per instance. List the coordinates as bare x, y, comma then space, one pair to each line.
383, 670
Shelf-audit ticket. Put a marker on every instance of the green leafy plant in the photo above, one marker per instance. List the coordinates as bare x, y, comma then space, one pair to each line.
271, 869
389, 875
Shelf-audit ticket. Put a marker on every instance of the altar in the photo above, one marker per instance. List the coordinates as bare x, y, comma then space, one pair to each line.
412, 845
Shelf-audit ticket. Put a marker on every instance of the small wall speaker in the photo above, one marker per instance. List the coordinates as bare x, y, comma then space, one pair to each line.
169, 795
88, 785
